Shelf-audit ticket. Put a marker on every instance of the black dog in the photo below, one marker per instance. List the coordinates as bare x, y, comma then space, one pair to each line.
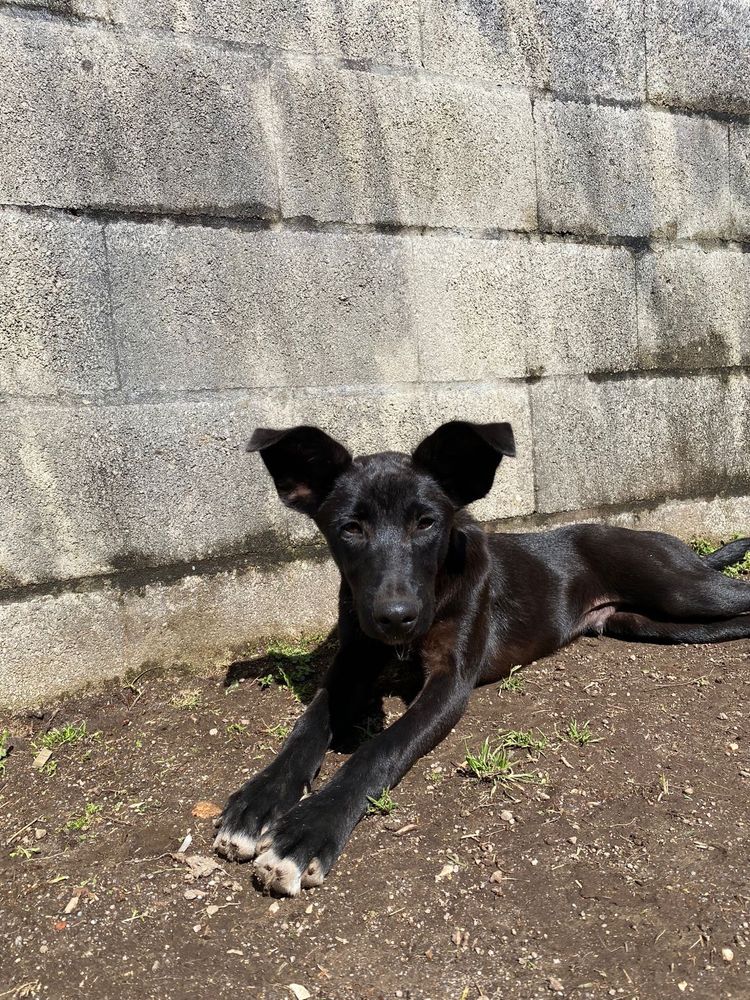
418, 572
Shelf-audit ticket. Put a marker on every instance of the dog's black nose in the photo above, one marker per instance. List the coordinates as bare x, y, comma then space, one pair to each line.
396, 616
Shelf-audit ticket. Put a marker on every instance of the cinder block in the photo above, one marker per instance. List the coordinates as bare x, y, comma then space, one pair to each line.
629, 172
54, 309
503, 308
472, 308
136, 122
361, 147
644, 438
739, 166
560, 45
211, 620
581, 309
271, 308
697, 54
50, 645
694, 308
110, 488
385, 31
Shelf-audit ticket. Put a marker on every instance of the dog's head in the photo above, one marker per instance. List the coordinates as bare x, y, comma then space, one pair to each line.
388, 518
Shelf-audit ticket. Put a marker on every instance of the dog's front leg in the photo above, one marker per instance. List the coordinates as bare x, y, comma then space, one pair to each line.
299, 849
263, 799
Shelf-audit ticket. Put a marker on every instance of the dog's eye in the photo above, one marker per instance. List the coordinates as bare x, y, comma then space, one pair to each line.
424, 523
352, 528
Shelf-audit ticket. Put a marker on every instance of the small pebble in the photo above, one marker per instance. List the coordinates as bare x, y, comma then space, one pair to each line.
727, 954
213, 732
507, 816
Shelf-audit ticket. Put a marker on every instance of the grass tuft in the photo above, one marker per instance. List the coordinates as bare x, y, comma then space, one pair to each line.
83, 822
186, 700
382, 805
69, 733
280, 731
704, 547
295, 666
523, 739
512, 682
496, 764
580, 733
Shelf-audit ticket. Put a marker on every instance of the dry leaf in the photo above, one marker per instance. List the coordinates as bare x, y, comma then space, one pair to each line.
200, 866
206, 810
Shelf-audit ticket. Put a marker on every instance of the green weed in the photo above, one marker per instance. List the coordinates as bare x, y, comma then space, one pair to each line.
280, 731
496, 764
704, 547
24, 852
69, 733
512, 682
82, 823
519, 739
383, 804
580, 733
295, 666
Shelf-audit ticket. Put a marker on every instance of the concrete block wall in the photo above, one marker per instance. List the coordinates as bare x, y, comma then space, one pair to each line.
376, 216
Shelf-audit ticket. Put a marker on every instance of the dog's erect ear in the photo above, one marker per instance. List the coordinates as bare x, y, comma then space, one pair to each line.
463, 457
304, 463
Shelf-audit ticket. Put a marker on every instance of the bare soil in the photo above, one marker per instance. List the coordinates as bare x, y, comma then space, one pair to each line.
626, 875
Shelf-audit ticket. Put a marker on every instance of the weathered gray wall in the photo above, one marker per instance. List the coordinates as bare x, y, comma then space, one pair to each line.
374, 215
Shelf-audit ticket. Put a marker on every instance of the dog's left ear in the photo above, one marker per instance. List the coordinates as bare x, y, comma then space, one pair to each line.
304, 463
463, 457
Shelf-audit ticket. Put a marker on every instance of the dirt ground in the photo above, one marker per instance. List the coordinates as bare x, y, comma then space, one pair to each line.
622, 870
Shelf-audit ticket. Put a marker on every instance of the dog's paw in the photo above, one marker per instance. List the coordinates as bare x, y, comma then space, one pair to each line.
237, 844
283, 876
299, 850
250, 812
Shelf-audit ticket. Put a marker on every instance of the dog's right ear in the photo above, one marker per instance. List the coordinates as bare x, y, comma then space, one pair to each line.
304, 463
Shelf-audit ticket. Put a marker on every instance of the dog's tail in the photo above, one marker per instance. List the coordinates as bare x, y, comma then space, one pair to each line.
728, 554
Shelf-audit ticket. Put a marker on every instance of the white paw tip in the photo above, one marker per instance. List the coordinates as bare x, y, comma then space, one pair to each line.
280, 875
313, 876
236, 846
